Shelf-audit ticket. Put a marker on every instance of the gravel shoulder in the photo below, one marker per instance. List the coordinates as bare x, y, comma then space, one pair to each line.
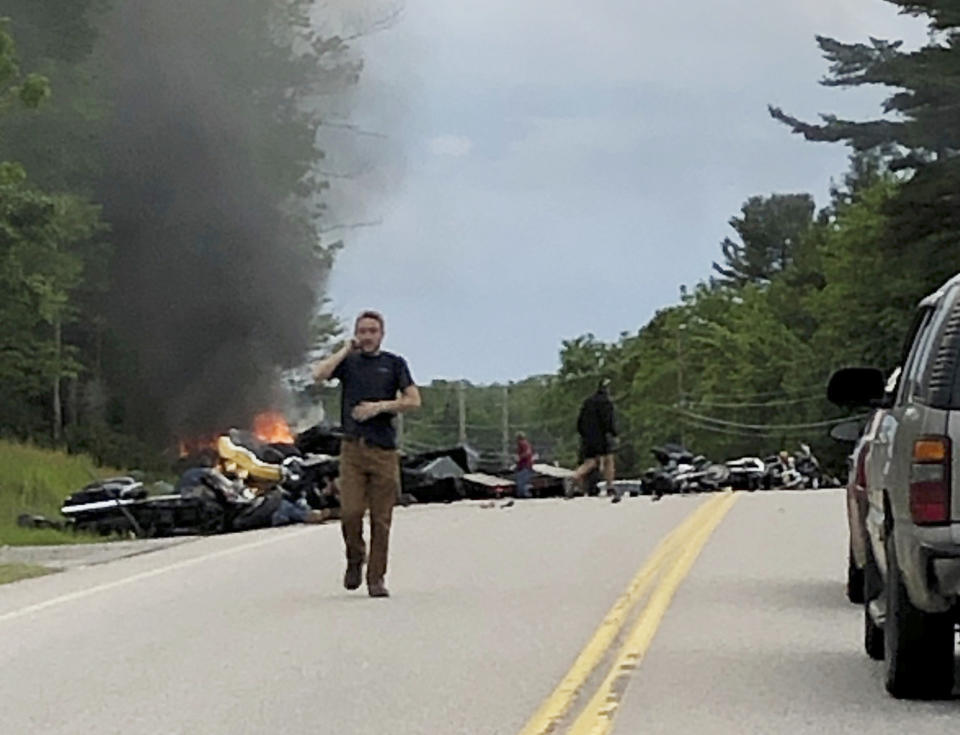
70, 556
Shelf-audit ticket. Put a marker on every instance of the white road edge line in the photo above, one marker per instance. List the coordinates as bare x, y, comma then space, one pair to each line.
80, 594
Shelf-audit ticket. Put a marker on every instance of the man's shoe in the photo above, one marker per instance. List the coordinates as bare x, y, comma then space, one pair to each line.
377, 589
353, 576
616, 498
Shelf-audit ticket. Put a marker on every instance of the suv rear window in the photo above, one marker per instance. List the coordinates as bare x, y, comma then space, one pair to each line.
939, 384
914, 350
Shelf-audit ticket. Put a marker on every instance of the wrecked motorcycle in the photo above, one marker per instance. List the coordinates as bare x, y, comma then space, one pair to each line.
248, 484
682, 472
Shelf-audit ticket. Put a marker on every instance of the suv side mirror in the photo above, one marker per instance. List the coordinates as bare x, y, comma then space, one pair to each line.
847, 432
857, 386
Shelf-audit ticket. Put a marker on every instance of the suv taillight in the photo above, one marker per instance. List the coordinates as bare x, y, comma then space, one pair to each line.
930, 481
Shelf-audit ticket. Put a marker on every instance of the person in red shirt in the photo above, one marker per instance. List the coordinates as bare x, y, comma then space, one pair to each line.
524, 469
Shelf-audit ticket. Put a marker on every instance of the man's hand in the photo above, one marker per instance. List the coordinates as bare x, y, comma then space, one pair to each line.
408, 400
366, 410
324, 369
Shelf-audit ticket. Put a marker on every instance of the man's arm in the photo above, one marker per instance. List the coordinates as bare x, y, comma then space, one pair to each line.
407, 400
324, 369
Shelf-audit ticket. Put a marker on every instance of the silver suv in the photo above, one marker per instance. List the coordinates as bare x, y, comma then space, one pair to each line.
912, 570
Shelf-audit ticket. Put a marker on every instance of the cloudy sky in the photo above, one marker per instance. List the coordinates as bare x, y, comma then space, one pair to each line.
561, 167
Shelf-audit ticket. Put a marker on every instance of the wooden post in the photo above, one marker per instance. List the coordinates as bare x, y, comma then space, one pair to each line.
505, 417
57, 404
462, 412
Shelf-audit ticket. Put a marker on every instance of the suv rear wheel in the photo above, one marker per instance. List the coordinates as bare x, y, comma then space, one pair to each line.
854, 579
919, 645
872, 589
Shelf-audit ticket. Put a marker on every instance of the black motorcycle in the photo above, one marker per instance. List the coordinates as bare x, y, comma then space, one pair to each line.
680, 471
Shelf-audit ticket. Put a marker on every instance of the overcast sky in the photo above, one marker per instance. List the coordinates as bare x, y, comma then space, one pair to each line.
561, 167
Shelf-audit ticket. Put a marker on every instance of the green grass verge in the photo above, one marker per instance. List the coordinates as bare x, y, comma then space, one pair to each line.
34, 480
13, 572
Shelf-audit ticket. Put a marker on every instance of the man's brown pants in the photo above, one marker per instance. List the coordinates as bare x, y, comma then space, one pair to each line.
369, 477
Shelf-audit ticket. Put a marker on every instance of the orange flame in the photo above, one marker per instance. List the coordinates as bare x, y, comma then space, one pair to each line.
272, 428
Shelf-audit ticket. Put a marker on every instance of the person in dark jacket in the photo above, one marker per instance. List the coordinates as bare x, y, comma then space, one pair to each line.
597, 428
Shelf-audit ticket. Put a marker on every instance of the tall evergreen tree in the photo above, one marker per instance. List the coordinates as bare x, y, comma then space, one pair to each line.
919, 133
770, 230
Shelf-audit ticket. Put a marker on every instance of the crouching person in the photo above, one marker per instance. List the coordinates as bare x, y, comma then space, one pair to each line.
295, 508
297, 511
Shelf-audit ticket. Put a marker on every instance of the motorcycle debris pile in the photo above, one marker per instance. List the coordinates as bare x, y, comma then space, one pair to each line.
236, 485
680, 471
239, 481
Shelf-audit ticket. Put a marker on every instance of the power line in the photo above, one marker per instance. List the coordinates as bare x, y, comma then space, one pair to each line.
784, 402
766, 427
779, 393
730, 432
752, 434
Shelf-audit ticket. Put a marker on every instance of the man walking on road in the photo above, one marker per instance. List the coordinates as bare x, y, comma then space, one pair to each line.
597, 428
376, 385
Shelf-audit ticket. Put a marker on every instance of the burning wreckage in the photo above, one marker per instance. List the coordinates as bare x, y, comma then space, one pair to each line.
240, 483
245, 480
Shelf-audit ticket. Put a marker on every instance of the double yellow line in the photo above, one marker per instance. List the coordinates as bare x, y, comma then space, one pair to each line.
669, 563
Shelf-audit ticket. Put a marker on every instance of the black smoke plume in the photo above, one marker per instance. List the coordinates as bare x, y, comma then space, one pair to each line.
207, 185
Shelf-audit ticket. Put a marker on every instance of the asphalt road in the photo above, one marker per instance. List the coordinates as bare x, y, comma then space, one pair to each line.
491, 608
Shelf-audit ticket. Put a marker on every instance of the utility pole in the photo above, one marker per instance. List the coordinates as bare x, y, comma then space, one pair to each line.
57, 405
462, 411
506, 424
680, 401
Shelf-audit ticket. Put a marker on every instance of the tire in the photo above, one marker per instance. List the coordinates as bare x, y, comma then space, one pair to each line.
872, 589
919, 645
716, 475
854, 580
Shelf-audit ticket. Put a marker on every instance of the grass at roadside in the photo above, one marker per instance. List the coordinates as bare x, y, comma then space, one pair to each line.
34, 480
14, 572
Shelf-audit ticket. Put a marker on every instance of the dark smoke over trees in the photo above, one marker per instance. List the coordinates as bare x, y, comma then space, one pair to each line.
207, 185
193, 124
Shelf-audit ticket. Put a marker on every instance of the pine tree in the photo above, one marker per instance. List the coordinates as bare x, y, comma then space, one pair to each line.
917, 136
770, 230
923, 126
